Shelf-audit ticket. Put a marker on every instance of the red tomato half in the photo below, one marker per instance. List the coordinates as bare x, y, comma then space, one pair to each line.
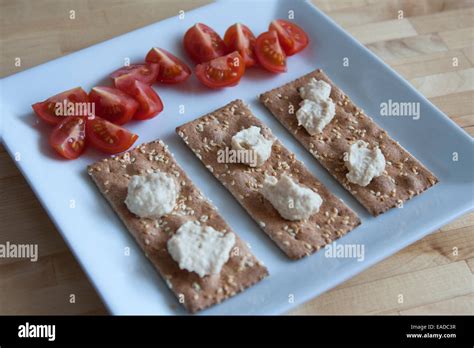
292, 38
269, 52
238, 37
113, 104
46, 110
150, 103
172, 69
108, 137
124, 77
68, 137
221, 72
203, 44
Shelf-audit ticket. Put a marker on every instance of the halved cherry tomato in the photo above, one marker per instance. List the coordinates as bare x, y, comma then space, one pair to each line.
150, 103
238, 37
108, 137
113, 104
203, 44
46, 110
269, 52
145, 73
68, 137
172, 69
221, 72
292, 38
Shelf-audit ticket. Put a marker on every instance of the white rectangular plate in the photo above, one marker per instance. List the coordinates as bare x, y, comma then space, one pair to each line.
129, 284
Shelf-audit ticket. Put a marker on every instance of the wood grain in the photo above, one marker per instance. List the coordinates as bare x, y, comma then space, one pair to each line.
397, 293
434, 275
383, 31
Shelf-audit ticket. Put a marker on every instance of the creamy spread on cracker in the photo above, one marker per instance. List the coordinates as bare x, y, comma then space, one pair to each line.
152, 195
251, 139
292, 200
363, 163
315, 90
200, 249
316, 109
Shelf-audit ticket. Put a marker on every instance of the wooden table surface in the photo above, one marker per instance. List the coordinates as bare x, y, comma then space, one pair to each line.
421, 46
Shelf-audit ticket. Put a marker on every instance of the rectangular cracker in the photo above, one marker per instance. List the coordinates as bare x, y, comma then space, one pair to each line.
208, 134
112, 175
405, 176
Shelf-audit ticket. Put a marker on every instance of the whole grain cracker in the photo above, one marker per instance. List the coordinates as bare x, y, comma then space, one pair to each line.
404, 177
242, 270
208, 134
